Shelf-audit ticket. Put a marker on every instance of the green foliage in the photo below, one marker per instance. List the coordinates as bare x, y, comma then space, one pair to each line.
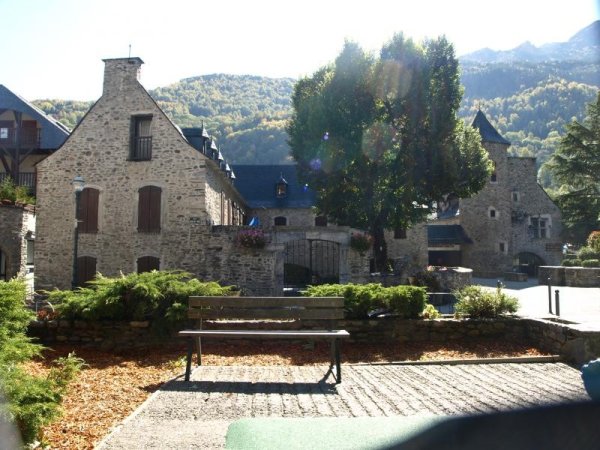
379, 139
576, 165
361, 242
32, 402
586, 253
593, 240
591, 263
9, 191
573, 262
430, 312
160, 296
478, 302
361, 299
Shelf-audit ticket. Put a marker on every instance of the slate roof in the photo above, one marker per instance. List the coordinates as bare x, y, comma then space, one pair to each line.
257, 186
53, 132
446, 234
487, 131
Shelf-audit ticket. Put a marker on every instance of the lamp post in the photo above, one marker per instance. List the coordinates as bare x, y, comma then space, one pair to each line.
78, 185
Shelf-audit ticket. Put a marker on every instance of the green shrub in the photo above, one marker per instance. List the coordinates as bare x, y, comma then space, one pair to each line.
591, 263
430, 312
9, 191
593, 240
160, 296
361, 299
31, 401
482, 303
572, 262
585, 253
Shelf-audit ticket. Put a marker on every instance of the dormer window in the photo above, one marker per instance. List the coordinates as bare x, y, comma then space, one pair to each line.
281, 187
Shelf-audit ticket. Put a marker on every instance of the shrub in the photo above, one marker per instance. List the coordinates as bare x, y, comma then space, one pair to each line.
361, 242
252, 238
430, 312
482, 303
587, 253
9, 191
361, 299
591, 263
593, 240
32, 401
160, 296
571, 262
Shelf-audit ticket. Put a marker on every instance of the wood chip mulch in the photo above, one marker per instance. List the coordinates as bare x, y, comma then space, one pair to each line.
113, 385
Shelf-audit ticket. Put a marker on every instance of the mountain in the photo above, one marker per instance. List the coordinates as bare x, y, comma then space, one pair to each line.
528, 93
583, 46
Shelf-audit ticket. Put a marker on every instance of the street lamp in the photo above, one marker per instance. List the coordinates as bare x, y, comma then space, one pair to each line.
78, 185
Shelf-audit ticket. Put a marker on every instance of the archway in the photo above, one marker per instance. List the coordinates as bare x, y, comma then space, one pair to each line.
311, 261
529, 263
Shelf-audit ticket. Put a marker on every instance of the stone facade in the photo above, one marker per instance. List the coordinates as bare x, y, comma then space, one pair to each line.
195, 193
16, 240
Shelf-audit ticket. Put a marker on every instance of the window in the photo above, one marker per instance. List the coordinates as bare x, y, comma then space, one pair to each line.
493, 213
149, 209
5, 127
320, 221
3, 133
281, 187
141, 138
400, 233
87, 220
29, 249
516, 196
280, 221
86, 269
494, 176
540, 227
148, 264
502, 247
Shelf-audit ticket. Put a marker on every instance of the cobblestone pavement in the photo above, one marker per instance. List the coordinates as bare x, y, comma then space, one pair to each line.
197, 414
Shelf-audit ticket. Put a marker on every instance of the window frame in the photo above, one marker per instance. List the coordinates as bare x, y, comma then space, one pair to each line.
140, 146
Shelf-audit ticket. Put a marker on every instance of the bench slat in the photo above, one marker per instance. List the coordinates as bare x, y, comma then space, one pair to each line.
257, 302
270, 334
254, 313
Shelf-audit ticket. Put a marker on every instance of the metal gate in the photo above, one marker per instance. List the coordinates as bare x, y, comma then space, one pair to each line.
311, 261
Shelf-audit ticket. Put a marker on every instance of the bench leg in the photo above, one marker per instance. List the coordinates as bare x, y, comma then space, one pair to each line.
335, 361
188, 362
199, 352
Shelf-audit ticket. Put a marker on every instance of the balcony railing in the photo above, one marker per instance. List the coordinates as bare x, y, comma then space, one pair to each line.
141, 148
29, 137
27, 179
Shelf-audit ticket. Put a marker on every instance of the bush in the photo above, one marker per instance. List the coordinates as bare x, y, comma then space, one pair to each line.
9, 191
482, 303
32, 402
361, 299
430, 312
160, 296
593, 240
588, 253
252, 238
571, 262
591, 263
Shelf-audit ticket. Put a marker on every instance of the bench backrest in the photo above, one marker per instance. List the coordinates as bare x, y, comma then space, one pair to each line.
313, 308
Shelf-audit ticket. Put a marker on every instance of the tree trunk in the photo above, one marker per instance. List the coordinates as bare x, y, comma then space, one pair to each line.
379, 247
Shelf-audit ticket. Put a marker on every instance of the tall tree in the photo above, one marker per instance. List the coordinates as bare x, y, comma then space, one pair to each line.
379, 138
576, 166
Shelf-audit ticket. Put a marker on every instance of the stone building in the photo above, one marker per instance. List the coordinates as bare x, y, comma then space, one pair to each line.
17, 225
157, 197
510, 225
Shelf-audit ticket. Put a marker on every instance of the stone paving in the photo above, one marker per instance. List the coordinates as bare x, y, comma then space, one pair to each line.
197, 414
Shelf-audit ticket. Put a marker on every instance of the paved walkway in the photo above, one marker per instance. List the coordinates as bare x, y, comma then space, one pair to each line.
197, 414
578, 305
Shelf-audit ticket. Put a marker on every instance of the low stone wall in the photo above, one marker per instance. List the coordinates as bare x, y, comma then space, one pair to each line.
570, 276
452, 278
572, 343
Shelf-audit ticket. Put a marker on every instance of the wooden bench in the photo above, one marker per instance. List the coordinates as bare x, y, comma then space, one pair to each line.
321, 309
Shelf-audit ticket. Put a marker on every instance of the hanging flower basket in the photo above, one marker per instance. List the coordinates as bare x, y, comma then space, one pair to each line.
254, 238
361, 242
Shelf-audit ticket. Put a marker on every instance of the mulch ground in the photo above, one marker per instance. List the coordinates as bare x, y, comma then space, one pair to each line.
114, 384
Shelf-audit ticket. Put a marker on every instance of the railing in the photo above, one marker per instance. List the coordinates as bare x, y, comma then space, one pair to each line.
141, 148
27, 179
29, 137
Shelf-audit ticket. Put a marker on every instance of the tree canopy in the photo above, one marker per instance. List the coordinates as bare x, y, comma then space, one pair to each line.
379, 138
576, 165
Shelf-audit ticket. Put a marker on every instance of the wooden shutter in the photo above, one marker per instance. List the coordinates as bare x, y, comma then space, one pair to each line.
149, 209
88, 211
147, 264
86, 269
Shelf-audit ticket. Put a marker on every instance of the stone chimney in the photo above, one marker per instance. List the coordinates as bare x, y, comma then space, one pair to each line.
120, 74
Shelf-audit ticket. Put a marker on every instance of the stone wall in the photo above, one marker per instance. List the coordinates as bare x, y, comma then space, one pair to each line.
570, 276
16, 222
574, 345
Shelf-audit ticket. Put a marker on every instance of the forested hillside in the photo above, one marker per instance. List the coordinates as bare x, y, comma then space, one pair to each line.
527, 100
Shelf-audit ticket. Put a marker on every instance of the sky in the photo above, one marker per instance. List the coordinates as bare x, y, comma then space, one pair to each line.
54, 48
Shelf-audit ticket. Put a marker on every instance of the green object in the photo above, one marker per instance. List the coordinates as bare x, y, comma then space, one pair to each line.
325, 432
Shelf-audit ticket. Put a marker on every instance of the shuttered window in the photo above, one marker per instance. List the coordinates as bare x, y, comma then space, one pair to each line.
148, 264
86, 269
149, 209
88, 211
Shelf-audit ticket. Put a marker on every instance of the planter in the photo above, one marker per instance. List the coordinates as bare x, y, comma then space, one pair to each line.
590, 373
